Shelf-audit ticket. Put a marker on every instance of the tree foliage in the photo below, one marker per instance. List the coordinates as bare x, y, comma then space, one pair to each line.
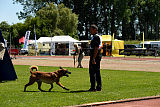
127, 17
50, 20
5, 27
57, 20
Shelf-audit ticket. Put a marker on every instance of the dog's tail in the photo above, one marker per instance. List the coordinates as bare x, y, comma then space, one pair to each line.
33, 67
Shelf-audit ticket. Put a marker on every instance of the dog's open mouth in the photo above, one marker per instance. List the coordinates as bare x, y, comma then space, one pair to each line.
66, 74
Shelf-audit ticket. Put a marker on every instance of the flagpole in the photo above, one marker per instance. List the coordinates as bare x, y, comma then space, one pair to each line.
143, 40
51, 43
113, 42
10, 45
35, 41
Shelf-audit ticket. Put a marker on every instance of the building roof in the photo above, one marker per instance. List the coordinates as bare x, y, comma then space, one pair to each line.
62, 39
44, 39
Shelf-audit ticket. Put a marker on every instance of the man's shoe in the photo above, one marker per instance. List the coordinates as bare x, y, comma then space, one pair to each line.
98, 89
92, 89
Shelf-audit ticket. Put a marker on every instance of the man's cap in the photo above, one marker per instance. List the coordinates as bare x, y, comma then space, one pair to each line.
94, 26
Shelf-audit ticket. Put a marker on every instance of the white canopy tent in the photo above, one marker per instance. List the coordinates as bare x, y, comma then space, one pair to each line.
58, 39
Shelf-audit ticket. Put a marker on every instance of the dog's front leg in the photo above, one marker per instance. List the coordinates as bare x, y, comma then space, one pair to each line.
58, 83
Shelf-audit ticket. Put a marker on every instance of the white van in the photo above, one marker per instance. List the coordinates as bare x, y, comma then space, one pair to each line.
151, 44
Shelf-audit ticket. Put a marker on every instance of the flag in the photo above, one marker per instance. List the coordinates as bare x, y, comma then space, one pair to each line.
26, 40
36, 46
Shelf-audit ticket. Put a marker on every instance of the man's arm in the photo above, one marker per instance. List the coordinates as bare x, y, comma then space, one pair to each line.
95, 54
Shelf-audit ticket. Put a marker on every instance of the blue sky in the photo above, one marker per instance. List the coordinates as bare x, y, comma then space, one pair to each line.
8, 11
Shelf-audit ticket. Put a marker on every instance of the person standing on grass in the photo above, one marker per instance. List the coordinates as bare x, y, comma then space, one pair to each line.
75, 54
95, 58
80, 56
76, 49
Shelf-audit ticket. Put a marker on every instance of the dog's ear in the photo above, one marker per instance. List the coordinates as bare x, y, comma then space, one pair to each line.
60, 67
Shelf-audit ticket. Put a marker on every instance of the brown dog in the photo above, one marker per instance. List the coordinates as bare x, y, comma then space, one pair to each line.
47, 77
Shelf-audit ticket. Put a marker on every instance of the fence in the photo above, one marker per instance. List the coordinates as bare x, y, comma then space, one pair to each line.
65, 51
139, 52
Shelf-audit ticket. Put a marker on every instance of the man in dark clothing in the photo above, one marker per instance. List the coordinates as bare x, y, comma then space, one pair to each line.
95, 58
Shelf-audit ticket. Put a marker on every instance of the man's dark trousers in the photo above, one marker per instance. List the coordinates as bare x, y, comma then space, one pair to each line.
94, 71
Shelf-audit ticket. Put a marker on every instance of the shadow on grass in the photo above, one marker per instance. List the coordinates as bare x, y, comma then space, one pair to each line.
31, 91
78, 91
2, 81
42, 91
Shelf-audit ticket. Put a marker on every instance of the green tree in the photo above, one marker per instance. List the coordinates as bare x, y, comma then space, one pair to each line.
5, 27
128, 17
57, 20
49, 18
67, 21
148, 18
20, 28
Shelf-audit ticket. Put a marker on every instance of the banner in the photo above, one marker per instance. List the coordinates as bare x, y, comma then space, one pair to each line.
26, 40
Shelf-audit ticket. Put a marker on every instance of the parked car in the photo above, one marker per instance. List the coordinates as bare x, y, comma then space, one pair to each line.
130, 46
151, 44
24, 51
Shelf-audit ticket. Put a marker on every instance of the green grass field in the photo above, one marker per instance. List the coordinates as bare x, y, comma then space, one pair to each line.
116, 85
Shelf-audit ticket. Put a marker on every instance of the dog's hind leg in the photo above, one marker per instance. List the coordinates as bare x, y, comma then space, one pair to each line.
51, 87
31, 81
39, 85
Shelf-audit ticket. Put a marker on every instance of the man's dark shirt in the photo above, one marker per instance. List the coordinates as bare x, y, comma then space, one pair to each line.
95, 42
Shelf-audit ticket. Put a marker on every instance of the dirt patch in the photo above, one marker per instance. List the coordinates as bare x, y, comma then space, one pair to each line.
130, 64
